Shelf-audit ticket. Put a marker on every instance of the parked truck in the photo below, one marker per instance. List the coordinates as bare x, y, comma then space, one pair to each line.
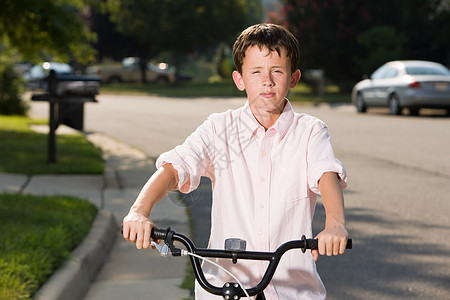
129, 70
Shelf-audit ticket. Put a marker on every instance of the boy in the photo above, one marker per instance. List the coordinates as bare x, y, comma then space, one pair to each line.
266, 164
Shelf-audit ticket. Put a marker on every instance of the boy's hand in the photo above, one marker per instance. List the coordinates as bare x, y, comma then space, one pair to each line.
137, 229
332, 241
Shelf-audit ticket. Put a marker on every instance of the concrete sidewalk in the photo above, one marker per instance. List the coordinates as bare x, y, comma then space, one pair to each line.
105, 266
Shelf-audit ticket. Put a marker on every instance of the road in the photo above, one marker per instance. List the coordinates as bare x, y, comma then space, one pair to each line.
397, 202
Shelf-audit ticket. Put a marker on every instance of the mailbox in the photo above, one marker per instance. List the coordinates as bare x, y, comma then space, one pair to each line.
67, 94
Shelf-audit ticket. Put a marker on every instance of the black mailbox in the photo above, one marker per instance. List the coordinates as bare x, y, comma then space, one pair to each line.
67, 94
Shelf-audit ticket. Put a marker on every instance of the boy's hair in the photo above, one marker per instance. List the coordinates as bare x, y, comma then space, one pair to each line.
271, 36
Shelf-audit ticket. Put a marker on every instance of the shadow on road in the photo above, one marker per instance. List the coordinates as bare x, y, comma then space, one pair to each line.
384, 266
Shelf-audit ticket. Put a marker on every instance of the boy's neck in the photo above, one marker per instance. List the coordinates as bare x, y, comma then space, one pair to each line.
267, 118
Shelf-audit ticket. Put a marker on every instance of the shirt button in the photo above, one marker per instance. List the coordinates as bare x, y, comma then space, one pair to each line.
262, 179
261, 206
264, 153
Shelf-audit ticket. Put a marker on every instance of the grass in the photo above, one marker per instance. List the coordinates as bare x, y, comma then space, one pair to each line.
331, 94
25, 151
183, 89
224, 88
37, 234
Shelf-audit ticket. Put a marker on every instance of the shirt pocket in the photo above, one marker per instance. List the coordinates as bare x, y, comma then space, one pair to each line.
293, 193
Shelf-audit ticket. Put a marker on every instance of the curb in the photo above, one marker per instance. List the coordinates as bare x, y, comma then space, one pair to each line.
73, 279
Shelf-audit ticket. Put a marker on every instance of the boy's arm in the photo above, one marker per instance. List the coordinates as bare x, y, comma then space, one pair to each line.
333, 239
136, 225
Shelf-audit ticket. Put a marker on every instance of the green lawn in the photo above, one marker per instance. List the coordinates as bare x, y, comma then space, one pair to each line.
183, 89
224, 88
25, 151
37, 235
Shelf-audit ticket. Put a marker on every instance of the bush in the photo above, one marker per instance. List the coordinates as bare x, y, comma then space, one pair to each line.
11, 90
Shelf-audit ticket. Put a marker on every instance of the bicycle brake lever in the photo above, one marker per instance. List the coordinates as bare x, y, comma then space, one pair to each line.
164, 250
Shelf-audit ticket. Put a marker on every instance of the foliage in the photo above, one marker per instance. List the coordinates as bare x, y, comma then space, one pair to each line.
381, 44
177, 26
333, 34
37, 235
25, 151
47, 29
255, 12
11, 102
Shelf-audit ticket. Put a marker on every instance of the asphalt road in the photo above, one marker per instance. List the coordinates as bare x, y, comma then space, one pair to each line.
397, 203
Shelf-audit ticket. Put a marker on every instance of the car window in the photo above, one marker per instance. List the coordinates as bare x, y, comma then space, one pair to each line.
61, 68
391, 72
378, 73
36, 71
131, 63
420, 70
385, 72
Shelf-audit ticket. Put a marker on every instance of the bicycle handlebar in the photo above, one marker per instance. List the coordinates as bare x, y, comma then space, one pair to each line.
169, 235
311, 244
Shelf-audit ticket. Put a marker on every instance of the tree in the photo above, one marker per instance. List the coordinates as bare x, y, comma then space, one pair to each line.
46, 28
178, 26
327, 33
334, 34
38, 30
380, 44
138, 20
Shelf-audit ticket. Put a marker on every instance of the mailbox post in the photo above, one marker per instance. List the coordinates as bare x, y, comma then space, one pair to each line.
66, 95
317, 77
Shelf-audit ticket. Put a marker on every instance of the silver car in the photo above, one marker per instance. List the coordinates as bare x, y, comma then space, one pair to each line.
411, 84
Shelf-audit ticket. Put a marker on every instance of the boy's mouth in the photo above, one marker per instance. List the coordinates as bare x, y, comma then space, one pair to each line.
267, 95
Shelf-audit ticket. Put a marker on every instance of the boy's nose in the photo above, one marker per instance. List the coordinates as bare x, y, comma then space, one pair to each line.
268, 81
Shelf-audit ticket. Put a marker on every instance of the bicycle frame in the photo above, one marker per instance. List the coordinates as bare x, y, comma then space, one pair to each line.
231, 290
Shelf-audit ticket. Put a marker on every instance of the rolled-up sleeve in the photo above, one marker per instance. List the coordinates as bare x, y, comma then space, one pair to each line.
193, 158
321, 158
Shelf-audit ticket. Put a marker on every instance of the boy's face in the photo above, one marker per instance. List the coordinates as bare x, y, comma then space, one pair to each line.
267, 78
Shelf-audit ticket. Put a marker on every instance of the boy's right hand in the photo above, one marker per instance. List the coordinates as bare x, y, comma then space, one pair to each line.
137, 229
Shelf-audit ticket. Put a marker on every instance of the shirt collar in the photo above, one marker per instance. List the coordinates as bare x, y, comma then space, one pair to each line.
250, 125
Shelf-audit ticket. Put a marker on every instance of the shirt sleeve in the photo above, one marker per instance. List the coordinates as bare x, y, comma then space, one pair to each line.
193, 158
321, 158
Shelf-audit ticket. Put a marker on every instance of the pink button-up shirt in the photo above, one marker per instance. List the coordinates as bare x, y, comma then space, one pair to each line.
264, 191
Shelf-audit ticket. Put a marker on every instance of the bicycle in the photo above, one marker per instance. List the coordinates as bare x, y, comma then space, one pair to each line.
234, 249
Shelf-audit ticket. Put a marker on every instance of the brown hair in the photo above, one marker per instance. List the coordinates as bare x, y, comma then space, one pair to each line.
270, 36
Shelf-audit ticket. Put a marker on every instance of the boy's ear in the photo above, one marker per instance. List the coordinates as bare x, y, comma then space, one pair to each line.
295, 77
237, 78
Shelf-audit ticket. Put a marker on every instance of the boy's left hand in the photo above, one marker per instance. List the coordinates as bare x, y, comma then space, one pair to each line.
332, 241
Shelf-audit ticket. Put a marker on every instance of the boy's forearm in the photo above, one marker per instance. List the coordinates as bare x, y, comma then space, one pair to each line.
332, 239
333, 200
164, 180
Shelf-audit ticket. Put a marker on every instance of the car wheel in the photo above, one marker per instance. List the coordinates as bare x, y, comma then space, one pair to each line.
114, 79
394, 105
360, 104
162, 80
414, 111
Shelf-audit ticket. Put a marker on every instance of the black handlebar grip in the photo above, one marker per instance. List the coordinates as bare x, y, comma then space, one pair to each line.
156, 233
313, 244
159, 234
